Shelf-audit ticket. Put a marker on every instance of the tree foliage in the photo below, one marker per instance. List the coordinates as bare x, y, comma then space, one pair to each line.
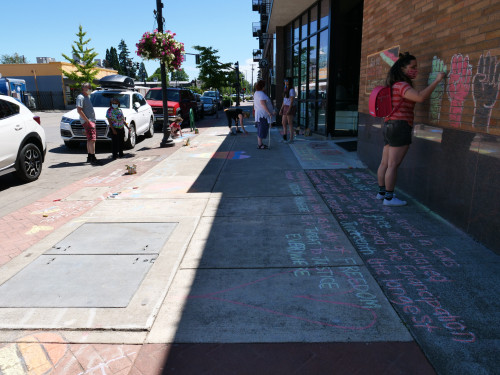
112, 59
83, 60
142, 73
126, 66
157, 75
213, 73
179, 75
13, 59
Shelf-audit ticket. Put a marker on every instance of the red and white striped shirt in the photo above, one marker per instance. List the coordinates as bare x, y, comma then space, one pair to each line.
406, 110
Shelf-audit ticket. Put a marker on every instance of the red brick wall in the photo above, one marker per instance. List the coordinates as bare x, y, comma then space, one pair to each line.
464, 35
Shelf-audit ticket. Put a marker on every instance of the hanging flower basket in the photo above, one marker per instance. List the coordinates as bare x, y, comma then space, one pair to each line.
161, 46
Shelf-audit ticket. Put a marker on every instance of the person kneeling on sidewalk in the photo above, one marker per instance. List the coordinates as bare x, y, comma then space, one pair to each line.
236, 115
175, 127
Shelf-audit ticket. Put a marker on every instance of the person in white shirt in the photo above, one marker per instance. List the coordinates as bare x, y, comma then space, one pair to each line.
263, 113
288, 109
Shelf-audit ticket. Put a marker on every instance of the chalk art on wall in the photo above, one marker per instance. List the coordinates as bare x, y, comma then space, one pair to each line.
459, 81
485, 88
438, 65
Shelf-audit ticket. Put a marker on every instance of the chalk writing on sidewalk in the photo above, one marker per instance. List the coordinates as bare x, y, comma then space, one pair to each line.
410, 262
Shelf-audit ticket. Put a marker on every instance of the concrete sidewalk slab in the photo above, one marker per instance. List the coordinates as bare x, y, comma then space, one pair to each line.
264, 182
263, 206
269, 242
274, 305
313, 154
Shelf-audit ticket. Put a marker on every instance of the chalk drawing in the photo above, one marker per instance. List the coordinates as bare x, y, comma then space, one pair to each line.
485, 88
437, 95
356, 324
39, 228
230, 155
459, 81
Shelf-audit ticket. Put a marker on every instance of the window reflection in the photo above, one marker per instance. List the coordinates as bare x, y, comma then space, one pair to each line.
303, 84
324, 14
322, 80
313, 24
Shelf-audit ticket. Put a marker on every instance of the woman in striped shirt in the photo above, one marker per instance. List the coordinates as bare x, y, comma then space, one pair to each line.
399, 126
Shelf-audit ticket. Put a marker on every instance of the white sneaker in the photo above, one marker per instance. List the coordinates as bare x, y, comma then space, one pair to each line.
380, 196
394, 202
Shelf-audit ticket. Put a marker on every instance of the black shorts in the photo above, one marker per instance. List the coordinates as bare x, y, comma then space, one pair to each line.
397, 133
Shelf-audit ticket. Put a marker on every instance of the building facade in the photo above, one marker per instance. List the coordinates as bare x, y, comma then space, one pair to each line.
46, 81
337, 51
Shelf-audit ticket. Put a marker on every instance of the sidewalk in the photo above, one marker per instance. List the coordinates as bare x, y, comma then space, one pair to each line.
225, 259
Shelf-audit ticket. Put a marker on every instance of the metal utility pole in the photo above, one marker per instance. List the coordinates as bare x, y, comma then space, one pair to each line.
252, 77
238, 87
166, 141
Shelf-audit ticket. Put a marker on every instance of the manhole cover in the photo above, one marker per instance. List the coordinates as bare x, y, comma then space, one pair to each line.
115, 238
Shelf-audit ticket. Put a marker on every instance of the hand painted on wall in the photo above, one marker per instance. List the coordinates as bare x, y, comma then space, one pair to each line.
459, 81
485, 89
438, 66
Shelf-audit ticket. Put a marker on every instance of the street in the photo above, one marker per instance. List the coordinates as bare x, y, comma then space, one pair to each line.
64, 166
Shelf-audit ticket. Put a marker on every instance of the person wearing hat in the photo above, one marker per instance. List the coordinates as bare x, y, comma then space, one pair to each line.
236, 115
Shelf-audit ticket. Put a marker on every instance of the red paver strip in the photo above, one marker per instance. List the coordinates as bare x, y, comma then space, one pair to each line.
25, 227
386, 358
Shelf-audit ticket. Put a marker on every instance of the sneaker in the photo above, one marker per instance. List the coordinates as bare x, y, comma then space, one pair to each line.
380, 196
394, 202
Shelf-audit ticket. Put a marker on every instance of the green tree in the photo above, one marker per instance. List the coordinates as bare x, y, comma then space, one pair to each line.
112, 59
126, 66
13, 59
157, 75
142, 73
212, 72
82, 60
179, 75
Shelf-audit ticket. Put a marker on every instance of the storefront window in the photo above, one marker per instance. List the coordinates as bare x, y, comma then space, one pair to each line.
312, 79
296, 31
322, 80
296, 59
314, 19
324, 13
305, 26
303, 84
288, 62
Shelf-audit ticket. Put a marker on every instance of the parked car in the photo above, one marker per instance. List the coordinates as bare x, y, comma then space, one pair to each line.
22, 140
216, 95
137, 112
209, 105
199, 106
179, 102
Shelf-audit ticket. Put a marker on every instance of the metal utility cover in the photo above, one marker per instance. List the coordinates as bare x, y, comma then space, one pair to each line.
77, 281
115, 238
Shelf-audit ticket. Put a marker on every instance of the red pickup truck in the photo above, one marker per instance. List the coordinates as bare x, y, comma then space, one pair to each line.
179, 102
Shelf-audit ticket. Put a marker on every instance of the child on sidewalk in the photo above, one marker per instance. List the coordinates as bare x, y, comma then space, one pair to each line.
175, 127
116, 124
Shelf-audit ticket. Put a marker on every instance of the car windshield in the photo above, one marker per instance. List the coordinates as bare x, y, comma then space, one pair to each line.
209, 93
207, 100
172, 96
102, 99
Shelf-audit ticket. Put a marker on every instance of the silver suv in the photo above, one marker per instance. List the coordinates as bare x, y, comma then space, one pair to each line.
22, 140
137, 112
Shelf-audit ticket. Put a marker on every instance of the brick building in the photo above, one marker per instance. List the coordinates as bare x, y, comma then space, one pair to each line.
338, 50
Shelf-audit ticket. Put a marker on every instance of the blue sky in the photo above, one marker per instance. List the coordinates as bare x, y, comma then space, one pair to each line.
36, 28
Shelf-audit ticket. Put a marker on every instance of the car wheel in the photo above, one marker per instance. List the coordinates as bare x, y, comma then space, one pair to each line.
71, 144
29, 163
151, 130
132, 138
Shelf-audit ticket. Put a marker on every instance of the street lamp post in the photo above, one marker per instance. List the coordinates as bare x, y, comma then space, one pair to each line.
166, 141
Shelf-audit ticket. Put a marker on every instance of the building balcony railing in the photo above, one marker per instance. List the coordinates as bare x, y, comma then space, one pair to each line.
257, 55
256, 29
261, 6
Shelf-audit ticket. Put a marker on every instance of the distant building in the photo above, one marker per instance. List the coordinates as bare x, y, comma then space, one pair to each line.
46, 81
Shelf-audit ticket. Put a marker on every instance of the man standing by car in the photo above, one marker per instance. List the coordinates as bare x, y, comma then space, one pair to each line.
87, 118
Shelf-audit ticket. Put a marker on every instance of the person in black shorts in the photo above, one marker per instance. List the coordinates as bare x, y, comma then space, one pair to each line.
236, 115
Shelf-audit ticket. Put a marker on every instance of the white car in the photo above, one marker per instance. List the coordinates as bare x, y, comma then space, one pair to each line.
137, 112
22, 140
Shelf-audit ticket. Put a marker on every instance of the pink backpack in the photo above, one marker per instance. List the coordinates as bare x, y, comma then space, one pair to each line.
380, 103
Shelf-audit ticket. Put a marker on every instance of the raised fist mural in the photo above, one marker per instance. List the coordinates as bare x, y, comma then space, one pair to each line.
485, 87
438, 66
459, 81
